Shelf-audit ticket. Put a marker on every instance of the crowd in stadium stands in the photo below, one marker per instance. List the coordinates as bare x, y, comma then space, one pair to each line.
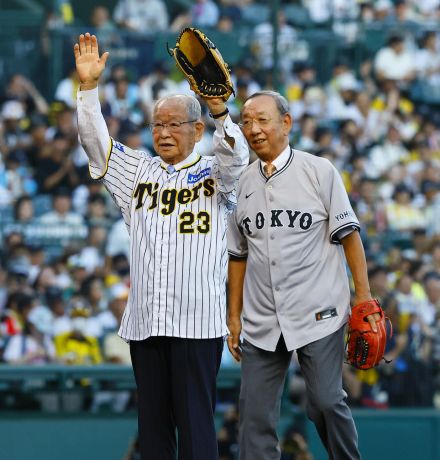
64, 258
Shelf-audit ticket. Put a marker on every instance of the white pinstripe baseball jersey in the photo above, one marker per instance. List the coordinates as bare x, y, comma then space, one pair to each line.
177, 219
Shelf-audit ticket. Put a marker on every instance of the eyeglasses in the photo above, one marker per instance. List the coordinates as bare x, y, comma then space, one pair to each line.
172, 126
261, 122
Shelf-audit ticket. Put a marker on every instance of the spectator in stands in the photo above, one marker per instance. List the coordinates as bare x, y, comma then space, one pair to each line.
345, 15
118, 270
77, 272
91, 254
155, 85
405, 13
373, 122
14, 138
118, 241
143, 16
366, 12
429, 9
308, 127
38, 146
232, 9
341, 104
82, 193
382, 9
34, 344
242, 70
17, 304
76, 347
61, 213
225, 24
383, 156
55, 302
370, 209
395, 63
66, 89
97, 211
124, 104
16, 179
402, 214
57, 171
131, 135
241, 94
114, 349
320, 11
105, 29
428, 59
346, 146
24, 210
20, 88
204, 13
36, 258
92, 291
419, 385
93, 295
302, 78
262, 45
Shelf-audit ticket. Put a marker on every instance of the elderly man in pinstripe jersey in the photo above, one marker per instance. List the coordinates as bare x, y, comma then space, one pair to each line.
175, 207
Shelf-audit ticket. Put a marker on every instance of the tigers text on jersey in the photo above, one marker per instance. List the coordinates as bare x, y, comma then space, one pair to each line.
296, 281
177, 219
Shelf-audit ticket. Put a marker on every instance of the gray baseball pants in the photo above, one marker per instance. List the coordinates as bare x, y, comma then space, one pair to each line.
262, 383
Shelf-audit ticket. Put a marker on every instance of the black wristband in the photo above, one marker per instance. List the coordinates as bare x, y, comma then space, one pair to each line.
219, 115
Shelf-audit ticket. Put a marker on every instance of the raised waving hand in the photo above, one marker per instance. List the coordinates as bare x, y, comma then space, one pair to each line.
89, 65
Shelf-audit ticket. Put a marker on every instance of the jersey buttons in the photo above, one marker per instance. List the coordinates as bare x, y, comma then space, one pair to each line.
273, 262
272, 237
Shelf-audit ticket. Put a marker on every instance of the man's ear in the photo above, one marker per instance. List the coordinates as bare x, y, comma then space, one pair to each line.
287, 123
200, 129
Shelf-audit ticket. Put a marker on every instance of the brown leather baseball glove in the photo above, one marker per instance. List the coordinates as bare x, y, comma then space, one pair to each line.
366, 348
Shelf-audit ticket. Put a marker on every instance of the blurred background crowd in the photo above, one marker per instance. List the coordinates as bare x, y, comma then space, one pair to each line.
363, 82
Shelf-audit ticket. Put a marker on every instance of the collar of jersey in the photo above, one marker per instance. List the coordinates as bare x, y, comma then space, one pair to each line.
189, 161
281, 162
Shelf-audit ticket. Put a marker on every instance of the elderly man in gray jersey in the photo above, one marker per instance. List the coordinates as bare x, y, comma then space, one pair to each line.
288, 287
175, 207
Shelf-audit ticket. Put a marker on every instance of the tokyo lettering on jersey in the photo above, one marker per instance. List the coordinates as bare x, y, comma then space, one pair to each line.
287, 227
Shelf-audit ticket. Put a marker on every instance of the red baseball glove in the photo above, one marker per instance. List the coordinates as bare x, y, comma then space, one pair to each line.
365, 348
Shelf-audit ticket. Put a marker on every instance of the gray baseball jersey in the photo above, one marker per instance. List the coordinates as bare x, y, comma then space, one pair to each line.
296, 281
177, 219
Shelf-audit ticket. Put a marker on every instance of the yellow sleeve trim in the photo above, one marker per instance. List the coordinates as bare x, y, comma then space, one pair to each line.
109, 152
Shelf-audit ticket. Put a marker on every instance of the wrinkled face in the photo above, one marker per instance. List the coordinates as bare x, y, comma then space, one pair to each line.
170, 143
265, 129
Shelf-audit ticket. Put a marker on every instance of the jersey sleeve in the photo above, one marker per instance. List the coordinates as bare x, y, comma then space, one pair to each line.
342, 218
229, 163
237, 243
113, 163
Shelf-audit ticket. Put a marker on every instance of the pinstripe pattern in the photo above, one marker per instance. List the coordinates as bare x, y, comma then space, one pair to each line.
178, 280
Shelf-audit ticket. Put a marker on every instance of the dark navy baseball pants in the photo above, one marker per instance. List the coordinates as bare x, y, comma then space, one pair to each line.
176, 383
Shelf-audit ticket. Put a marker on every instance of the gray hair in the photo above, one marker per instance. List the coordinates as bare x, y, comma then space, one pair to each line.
192, 105
280, 101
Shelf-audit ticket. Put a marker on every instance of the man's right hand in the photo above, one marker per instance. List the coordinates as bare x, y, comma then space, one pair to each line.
89, 65
234, 326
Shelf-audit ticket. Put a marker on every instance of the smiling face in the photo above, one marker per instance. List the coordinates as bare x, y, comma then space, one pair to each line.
265, 128
174, 145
